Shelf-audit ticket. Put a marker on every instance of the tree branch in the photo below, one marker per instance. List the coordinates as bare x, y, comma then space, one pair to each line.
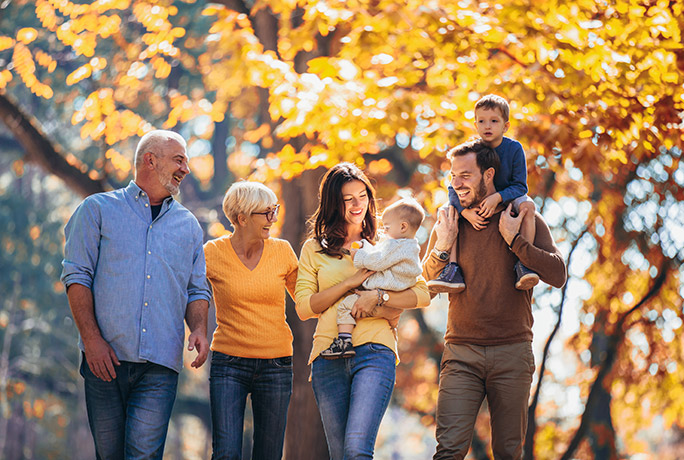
433, 342
41, 151
532, 421
606, 366
235, 5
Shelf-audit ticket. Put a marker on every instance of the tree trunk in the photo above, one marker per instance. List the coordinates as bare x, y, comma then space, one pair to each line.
598, 401
222, 176
10, 330
304, 436
528, 452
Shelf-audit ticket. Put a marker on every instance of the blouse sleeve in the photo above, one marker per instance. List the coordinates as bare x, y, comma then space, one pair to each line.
208, 248
291, 276
307, 281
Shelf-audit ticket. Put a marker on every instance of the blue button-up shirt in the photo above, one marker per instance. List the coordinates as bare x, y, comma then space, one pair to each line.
142, 272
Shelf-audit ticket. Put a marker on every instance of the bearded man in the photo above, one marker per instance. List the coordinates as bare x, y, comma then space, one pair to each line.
134, 270
488, 349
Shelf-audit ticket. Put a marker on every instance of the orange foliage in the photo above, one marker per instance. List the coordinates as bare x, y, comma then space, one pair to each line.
596, 98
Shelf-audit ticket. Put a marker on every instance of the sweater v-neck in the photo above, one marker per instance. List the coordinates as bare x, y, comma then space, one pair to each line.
230, 243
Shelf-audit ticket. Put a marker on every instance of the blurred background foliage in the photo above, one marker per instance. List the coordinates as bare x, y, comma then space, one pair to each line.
277, 91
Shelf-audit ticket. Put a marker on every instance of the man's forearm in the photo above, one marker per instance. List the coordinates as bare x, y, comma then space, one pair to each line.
83, 310
432, 265
196, 316
547, 262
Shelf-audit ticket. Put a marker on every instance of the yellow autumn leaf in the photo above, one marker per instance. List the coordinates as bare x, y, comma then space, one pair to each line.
79, 74
6, 43
26, 35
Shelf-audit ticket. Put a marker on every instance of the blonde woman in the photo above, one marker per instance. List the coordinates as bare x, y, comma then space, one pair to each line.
252, 346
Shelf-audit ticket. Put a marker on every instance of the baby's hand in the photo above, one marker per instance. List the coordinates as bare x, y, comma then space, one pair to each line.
358, 278
489, 204
476, 220
355, 246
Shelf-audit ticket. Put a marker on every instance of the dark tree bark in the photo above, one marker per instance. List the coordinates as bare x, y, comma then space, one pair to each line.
478, 447
304, 435
531, 415
597, 408
222, 176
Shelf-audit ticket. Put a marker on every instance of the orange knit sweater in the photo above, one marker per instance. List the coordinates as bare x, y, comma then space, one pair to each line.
250, 305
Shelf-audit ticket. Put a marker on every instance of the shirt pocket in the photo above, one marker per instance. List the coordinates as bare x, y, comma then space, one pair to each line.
177, 252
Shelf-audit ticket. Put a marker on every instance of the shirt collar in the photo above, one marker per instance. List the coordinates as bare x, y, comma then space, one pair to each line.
137, 193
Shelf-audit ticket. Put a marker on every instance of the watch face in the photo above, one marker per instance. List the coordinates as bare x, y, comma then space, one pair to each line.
385, 297
443, 255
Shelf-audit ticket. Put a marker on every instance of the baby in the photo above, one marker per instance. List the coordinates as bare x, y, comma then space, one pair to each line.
395, 260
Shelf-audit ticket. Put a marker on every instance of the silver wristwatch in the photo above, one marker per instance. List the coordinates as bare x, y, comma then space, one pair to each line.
441, 255
382, 297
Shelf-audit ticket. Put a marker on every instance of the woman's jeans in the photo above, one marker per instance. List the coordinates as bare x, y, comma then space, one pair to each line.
352, 395
129, 416
270, 383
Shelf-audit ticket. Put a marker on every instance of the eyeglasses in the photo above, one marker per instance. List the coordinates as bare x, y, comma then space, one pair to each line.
270, 215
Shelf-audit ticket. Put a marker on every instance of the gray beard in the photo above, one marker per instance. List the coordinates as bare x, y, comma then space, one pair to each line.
168, 183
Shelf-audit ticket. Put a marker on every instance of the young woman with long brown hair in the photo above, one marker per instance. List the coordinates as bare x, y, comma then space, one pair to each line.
352, 393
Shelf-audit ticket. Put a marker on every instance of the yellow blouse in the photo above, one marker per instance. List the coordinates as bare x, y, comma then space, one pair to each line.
318, 272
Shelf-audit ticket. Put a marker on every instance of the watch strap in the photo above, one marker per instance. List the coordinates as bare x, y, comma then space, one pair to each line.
381, 297
441, 255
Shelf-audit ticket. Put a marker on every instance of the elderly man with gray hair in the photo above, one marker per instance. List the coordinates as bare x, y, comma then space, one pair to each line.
134, 270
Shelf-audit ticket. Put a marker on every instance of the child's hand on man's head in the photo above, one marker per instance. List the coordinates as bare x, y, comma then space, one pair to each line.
476, 220
489, 204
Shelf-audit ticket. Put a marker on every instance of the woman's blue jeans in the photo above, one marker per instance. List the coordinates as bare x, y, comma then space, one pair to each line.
269, 381
352, 396
129, 416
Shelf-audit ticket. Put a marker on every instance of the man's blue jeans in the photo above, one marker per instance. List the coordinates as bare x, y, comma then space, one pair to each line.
270, 383
129, 416
352, 396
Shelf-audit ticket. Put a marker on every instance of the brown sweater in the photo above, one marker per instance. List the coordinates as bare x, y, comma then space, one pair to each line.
491, 311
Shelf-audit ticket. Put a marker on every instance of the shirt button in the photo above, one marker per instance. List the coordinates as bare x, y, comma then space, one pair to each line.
145, 303
150, 226
144, 330
142, 193
148, 276
149, 252
146, 205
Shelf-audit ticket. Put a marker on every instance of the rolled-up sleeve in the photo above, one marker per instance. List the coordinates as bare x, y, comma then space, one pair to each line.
307, 282
422, 293
432, 265
198, 286
82, 246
